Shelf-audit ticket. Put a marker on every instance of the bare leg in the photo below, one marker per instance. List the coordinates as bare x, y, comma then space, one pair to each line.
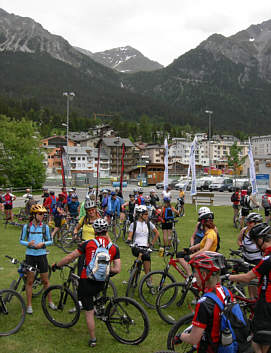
45, 281
147, 266
90, 323
28, 287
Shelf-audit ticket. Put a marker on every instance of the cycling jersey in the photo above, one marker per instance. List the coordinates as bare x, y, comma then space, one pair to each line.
73, 208
87, 230
8, 199
113, 206
141, 235
250, 249
89, 247
35, 233
263, 272
210, 234
207, 317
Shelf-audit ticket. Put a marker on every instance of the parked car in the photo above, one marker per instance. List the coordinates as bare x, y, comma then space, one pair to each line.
171, 183
242, 184
221, 184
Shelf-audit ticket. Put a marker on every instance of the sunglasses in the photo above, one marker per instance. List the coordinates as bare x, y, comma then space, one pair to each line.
40, 214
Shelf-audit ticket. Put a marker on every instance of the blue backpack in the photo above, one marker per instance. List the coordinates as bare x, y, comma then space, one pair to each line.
168, 215
235, 333
99, 266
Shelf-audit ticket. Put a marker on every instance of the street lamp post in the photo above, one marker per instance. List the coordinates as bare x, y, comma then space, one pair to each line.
69, 96
209, 112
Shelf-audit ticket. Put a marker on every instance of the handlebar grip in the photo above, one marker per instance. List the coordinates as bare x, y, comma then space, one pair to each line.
12, 259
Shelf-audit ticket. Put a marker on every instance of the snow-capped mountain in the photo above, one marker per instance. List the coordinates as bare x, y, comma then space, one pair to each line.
123, 59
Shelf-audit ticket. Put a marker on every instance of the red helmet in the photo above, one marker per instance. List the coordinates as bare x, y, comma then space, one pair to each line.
210, 261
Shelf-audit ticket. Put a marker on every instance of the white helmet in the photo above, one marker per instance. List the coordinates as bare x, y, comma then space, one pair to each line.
204, 210
141, 209
89, 204
152, 190
100, 225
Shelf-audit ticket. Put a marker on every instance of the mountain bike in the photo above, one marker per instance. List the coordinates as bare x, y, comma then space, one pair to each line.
135, 270
12, 312
159, 280
19, 284
180, 206
237, 220
65, 298
125, 227
125, 319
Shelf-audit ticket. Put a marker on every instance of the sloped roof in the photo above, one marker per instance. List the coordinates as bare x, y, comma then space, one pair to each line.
114, 141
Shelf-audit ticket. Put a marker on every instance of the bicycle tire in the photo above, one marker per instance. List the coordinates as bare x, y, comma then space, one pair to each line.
63, 298
128, 316
174, 241
170, 306
179, 327
115, 231
37, 287
147, 293
9, 310
68, 242
125, 229
132, 283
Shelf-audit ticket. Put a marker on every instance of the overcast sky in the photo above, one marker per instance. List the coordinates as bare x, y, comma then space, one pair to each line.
161, 30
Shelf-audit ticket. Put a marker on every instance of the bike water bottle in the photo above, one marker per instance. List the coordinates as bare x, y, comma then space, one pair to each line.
226, 337
161, 252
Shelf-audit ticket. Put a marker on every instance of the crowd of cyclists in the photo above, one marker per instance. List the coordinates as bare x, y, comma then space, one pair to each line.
201, 259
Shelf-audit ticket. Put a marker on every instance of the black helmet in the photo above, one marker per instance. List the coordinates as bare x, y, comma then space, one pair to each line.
254, 217
261, 230
249, 190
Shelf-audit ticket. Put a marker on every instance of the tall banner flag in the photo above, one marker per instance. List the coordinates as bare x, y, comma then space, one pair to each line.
98, 171
252, 173
192, 168
166, 165
122, 166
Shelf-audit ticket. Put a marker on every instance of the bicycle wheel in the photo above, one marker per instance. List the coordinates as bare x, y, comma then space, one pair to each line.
178, 328
132, 283
68, 242
175, 301
37, 287
64, 316
127, 321
174, 241
115, 231
150, 286
12, 312
125, 229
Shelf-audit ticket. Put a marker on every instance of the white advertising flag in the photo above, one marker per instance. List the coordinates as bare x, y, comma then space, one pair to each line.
166, 165
252, 173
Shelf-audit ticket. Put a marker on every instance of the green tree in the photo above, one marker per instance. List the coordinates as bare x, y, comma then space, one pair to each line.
21, 160
234, 159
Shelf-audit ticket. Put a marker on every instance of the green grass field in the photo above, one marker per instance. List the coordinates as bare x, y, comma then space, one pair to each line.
39, 335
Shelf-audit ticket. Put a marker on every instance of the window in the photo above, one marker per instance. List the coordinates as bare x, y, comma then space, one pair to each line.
79, 158
83, 158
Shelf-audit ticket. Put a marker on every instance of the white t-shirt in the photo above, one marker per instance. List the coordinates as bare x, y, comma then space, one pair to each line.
166, 194
141, 233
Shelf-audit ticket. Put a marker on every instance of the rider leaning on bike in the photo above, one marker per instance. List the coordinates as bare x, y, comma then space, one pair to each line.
139, 235
89, 288
35, 241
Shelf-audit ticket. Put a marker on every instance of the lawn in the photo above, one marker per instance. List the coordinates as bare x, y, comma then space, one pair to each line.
39, 335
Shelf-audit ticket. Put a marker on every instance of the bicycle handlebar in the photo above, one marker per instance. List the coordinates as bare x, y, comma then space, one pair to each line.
142, 248
23, 264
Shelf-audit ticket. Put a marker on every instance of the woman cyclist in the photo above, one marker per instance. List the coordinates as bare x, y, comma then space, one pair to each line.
209, 242
86, 222
198, 234
36, 237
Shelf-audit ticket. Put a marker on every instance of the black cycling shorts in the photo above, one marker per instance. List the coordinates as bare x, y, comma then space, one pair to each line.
8, 207
88, 289
267, 211
167, 225
235, 206
40, 261
244, 212
57, 221
262, 322
145, 257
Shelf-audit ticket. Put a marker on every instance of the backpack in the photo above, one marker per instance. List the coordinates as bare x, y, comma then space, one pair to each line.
245, 202
168, 214
234, 197
99, 266
134, 229
265, 202
218, 242
235, 333
44, 237
53, 204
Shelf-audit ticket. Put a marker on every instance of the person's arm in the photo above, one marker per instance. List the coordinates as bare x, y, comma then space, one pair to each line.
23, 236
206, 247
194, 336
13, 197
69, 258
175, 211
156, 236
240, 237
243, 277
116, 268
